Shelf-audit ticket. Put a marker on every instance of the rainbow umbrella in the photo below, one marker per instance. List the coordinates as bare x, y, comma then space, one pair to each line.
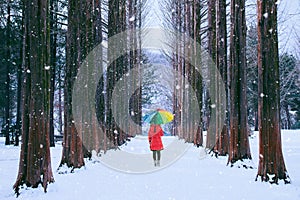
158, 116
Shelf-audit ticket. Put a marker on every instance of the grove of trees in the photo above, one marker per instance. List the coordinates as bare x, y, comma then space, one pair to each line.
45, 42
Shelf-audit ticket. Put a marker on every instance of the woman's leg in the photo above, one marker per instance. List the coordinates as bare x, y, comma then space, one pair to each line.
154, 155
158, 155
158, 158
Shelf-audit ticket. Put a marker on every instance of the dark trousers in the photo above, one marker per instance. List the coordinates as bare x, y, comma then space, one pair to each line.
156, 154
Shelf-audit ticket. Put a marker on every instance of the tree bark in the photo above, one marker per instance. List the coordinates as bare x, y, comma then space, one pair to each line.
116, 24
222, 138
72, 154
239, 142
35, 161
197, 79
8, 73
20, 87
212, 48
53, 46
271, 165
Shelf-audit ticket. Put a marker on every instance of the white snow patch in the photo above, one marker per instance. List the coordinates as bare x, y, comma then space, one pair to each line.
184, 179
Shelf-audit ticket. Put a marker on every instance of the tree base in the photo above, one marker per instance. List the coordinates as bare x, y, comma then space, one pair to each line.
244, 163
65, 169
21, 184
274, 179
215, 153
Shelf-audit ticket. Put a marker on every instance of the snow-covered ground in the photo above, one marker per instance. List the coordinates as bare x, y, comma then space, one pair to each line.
192, 176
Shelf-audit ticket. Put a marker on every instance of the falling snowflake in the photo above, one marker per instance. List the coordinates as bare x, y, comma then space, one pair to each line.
47, 67
28, 71
131, 19
262, 95
266, 15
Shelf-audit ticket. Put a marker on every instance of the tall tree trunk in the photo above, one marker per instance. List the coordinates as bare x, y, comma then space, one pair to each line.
271, 165
20, 87
239, 142
60, 102
198, 86
211, 132
176, 23
113, 16
116, 24
8, 72
53, 46
222, 138
217, 136
256, 121
134, 59
19, 102
72, 154
35, 161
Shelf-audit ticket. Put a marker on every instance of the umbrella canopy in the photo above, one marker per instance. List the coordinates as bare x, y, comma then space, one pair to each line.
158, 116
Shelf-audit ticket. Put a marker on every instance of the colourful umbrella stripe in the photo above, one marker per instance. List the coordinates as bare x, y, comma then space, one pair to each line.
158, 116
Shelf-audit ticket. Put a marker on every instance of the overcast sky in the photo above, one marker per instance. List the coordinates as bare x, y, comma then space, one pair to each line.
289, 25
288, 21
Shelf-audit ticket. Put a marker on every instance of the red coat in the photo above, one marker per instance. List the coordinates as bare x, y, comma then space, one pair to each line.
154, 137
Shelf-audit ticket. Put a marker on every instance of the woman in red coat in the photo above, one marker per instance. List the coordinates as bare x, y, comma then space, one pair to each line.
156, 145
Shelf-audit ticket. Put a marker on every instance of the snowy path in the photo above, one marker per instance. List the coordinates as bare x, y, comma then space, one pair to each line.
136, 157
190, 177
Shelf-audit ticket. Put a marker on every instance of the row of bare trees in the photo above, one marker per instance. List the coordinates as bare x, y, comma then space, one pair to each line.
12, 71
186, 19
229, 135
89, 24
